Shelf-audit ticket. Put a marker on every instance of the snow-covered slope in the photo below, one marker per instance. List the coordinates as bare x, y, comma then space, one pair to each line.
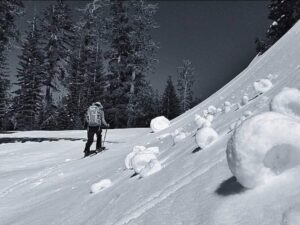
48, 182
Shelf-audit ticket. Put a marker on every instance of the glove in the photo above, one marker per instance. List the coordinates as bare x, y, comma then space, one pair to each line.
108, 125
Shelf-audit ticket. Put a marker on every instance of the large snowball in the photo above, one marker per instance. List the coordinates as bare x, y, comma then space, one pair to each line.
101, 185
206, 136
263, 146
262, 85
287, 102
141, 159
152, 167
159, 123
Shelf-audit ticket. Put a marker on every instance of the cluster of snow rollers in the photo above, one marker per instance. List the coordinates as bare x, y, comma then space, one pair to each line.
267, 144
205, 134
143, 160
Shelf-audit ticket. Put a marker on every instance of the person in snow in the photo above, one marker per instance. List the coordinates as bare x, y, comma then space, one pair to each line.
95, 119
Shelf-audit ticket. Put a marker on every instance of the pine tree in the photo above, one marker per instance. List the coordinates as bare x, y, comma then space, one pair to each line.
119, 60
143, 58
184, 85
29, 76
58, 36
9, 11
63, 116
86, 79
170, 102
131, 58
284, 14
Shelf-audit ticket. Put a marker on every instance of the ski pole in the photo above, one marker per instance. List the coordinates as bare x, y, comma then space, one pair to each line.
104, 138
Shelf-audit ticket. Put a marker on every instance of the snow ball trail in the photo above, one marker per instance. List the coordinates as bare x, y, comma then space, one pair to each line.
156, 198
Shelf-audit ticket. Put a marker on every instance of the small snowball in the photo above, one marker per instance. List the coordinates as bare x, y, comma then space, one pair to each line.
212, 110
206, 124
205, 112
262, 147
248, 113
227, 109
140, 160
206, 136
245, 100
138, 148
163, 136
291, 216
210, 118
287, 102
101, 185
262, 85
154, 150
272, 76
199, 120
159, 123
219, 110
227, 103
179, 137
152, 167
243, 118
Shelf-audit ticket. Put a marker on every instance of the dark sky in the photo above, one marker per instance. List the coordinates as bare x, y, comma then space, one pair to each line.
217, 36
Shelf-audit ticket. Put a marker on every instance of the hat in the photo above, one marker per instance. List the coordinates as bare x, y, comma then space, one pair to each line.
98, 104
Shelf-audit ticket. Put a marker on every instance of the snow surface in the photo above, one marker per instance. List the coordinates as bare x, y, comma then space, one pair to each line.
287, 102
292, 216
38, 186
159, 123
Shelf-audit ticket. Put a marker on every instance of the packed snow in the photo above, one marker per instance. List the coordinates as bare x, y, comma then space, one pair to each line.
263, 146
159, 123
287, 102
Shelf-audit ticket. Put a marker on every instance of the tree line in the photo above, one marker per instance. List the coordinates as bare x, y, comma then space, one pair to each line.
65, 66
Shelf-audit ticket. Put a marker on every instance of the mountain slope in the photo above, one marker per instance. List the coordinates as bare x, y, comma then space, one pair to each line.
49, 183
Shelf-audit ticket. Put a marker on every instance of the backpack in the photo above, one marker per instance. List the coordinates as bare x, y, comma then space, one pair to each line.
94, 116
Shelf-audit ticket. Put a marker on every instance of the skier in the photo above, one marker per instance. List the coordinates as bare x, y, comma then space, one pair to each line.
95, 118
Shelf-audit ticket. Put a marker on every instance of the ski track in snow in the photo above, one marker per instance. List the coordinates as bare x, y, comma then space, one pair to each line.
156, 198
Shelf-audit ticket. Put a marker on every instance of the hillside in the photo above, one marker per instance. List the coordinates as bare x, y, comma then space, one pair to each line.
49, 183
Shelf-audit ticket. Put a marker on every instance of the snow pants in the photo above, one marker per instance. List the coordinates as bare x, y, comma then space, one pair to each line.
91, 131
